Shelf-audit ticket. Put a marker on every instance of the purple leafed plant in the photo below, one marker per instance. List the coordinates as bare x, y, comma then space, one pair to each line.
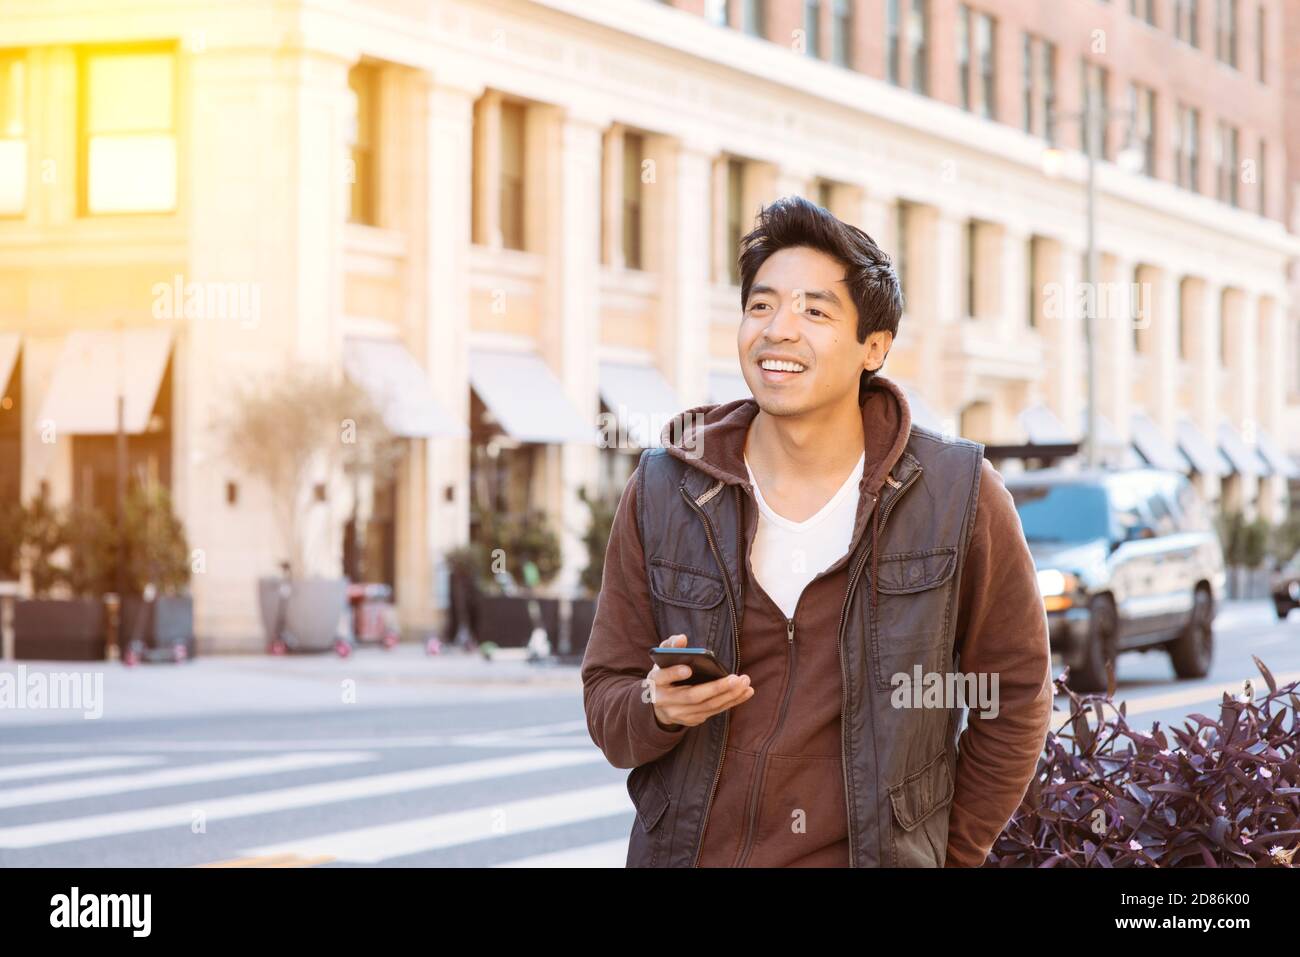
1223, 793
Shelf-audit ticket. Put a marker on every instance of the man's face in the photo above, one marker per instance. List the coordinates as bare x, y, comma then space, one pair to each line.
798, 343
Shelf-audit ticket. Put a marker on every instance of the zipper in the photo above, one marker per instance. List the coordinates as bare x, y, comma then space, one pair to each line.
752, 822
900, 488
735, 637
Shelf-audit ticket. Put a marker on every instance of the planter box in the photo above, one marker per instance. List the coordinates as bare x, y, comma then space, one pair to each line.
311, 614
60, 629
581, 618
159, 625
504, 619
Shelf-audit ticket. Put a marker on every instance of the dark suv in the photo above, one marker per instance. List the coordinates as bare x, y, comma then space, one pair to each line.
1126, 560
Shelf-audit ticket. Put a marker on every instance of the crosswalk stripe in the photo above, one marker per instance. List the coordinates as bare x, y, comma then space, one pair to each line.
171, 777
274, 860
263, 802
49, 769
604, 854
369, 845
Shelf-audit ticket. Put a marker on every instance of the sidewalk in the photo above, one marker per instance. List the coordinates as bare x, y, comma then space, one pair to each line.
370, 677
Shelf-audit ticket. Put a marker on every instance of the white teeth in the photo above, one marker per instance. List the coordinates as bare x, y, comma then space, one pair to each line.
775, 365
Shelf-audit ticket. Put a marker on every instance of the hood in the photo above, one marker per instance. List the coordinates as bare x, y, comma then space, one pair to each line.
711, 438
1087, 559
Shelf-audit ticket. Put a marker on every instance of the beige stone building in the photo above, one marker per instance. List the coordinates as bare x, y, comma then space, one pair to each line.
516, 222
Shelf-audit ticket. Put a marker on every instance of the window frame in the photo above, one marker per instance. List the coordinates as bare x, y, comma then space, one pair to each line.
83, 55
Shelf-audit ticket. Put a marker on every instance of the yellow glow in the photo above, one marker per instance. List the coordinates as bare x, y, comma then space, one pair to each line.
131, 174
12, 107
129, 93
1057, 602
13, 177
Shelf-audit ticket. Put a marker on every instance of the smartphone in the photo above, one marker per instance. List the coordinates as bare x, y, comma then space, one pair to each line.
704, 666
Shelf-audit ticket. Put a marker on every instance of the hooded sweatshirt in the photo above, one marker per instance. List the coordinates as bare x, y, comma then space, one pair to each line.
780, 796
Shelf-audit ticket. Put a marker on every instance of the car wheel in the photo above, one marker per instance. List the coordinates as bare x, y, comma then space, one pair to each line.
1193, 650
1089, 673
1282, 612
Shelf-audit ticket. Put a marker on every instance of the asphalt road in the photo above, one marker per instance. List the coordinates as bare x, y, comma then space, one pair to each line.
388, 758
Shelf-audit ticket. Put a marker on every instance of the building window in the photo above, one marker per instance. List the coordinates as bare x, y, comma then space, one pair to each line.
735, 210
1223, 328
1135, 309
825, 191
1225, 163
1185, 17
918, 46
363, 115
1225, 31
963, 54
842, 36
1261, 180
512, 175
717, 12
753, 20
13, 137
1031, 282
1180, 326
1187, 135
128, 132
1095, 81
892, 42
812, 27
1261, 43
633, 155
1027, 80
1141, 102
1047, 77
902, 212
971, 304
985, 35
1144, 10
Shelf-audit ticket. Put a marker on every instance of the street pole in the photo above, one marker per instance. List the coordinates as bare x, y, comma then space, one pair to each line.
115, 650
1089, 279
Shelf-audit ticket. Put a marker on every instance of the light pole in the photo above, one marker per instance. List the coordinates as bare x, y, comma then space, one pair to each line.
1130, 159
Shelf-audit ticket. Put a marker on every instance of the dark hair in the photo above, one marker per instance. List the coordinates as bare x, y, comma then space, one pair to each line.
868, 270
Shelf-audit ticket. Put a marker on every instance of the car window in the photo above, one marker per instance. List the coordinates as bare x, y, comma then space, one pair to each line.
1162, 517
1052, 512
1191, 509
1126, 509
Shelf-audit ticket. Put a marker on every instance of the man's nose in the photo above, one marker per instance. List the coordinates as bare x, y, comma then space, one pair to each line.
784, 324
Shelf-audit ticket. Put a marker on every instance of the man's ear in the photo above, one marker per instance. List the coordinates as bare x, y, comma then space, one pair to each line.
878, 346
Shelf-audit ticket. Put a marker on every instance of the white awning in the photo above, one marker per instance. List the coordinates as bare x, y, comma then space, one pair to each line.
1152, 445
1200, 451
922, 414
526, 398
396, 383
727, 387
1281, 463
1241, 456
640, 397
1042, 427
1112, 450
9, 344
91, 371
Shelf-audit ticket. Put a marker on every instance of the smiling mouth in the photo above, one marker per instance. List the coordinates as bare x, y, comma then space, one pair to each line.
781, 365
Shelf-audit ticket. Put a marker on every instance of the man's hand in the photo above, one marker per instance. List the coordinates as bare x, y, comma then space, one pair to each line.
691, 705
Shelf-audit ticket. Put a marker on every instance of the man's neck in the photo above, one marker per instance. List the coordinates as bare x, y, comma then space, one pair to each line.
818, 447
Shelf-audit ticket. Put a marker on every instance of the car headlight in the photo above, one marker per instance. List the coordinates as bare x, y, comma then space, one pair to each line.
1294, 591
1052, 582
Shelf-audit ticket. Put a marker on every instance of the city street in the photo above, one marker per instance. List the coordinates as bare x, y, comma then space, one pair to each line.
389, 758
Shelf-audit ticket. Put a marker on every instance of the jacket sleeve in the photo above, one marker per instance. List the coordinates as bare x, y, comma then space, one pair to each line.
1001, 630
620, 716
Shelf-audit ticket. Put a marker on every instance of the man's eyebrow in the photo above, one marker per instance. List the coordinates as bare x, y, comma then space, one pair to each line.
824, 295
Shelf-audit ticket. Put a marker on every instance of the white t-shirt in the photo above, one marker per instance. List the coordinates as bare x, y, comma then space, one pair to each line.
787, 555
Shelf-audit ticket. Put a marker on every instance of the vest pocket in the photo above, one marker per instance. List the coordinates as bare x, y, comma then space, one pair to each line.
645, 785
910, 625
919, 835
688, 601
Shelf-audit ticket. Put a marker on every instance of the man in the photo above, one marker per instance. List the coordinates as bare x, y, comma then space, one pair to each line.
841, 556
